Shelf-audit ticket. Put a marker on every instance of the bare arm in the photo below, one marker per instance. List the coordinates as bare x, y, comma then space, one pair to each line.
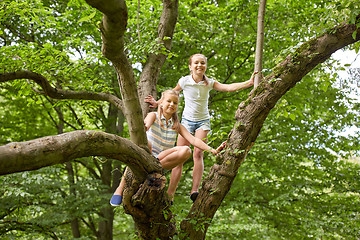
149, 120
234, 86
197, 142
177, 88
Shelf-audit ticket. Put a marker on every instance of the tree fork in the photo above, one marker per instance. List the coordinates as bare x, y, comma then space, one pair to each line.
149, 207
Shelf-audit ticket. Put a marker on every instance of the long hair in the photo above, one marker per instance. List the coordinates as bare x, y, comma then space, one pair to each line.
174, 117
205, 78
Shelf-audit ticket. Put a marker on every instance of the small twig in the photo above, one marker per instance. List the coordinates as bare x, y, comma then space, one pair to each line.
138, 26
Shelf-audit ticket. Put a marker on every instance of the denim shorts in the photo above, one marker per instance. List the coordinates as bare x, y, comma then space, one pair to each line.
192, 126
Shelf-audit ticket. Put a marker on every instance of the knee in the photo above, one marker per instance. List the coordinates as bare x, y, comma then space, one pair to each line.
185, 152
198, 154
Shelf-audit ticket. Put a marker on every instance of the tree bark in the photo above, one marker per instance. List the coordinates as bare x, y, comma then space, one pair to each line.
152, 67
250, 117
107, 213
58, 93
75, 228
259, 42
113, 27
144, 197
147, 203
106, 225
51, 150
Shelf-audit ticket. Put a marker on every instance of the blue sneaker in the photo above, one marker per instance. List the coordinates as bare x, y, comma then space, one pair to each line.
116, 200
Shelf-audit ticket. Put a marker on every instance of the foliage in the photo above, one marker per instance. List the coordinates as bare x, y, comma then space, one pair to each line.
291, 185
59, 40
39, 203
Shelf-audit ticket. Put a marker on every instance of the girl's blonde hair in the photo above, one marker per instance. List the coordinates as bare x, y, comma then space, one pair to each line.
175, 118
205, 78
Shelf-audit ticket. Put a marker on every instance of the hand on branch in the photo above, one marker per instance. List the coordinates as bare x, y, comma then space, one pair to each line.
150, 99
221, 147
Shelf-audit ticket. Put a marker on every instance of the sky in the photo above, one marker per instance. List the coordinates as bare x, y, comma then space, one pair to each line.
352, 58
347, 57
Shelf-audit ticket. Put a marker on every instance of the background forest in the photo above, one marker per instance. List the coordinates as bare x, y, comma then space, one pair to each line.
301, 179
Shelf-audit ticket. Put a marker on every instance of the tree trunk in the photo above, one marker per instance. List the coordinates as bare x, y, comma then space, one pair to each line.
144, 196
259, 42
75, 229
146, 202
113, 27
148, 205
51, 150
106, 225
151, 70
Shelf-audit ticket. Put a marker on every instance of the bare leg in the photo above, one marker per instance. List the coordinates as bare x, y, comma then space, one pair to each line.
173, 157
177, 171
198, 161
174, 181
116, 198
119, 190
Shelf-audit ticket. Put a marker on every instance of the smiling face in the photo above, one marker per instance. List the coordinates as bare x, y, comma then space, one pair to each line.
169, 104
198, 64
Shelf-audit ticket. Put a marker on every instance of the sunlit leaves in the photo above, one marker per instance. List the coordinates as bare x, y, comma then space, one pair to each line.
291, 186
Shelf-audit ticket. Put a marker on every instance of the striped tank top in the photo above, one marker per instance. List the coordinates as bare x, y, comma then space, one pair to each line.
161, 137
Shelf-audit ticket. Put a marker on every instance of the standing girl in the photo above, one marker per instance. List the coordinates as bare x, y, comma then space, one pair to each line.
162, 129
196, 117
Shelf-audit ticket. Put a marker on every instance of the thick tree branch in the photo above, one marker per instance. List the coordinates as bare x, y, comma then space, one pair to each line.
60, 93
113, 27
47, 151
155, 61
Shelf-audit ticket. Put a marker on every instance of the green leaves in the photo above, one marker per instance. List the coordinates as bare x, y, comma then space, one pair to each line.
87, 18
290, 186
37, 203
287, 111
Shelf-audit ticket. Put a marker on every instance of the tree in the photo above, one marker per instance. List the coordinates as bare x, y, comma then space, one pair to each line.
139, 199
259, 41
